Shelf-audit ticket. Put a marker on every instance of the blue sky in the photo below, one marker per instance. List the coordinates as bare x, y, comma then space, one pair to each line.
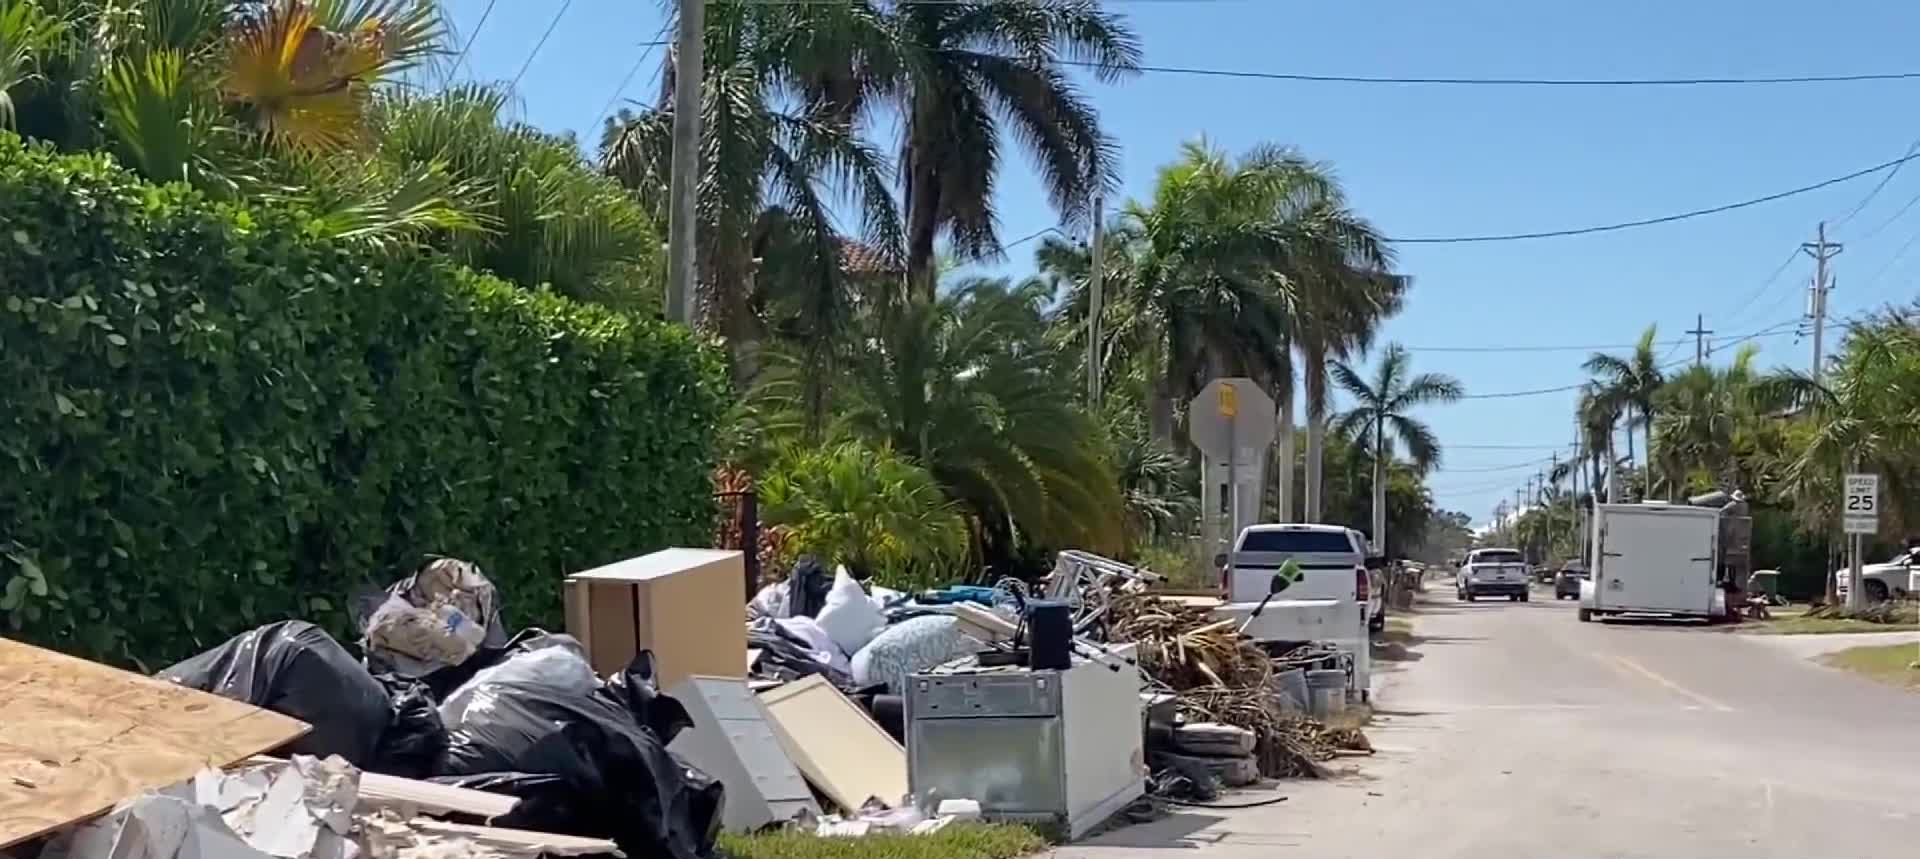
1447, 161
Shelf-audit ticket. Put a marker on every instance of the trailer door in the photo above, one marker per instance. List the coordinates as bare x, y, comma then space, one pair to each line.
1658, 561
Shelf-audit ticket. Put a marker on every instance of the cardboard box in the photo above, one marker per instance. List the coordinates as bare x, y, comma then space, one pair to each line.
685, 605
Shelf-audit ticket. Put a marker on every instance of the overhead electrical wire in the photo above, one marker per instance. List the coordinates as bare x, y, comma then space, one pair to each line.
1842, 221
462, 56
621, 88
1534, 348
1647, 222
1664, 365
1302, 77
551, 25
1741, 308
1532, 463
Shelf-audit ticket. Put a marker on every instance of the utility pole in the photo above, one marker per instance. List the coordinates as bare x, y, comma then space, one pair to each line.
1699, 332
1821, 250
689, 69
1554, 464
1096, 302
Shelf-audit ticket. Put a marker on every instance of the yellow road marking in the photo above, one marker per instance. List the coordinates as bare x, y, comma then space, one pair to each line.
1676, 688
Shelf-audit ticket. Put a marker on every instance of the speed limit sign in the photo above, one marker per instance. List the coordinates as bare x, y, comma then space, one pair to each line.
1860, 508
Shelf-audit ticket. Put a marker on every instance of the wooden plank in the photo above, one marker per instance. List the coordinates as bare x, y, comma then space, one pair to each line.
77, 737
518, 840
836, 745
411, 796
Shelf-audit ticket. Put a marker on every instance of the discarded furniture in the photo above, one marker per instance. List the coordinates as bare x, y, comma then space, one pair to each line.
732, 741
682, 604
839, 748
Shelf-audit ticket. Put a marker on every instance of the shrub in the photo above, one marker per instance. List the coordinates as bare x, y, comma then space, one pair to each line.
210, 418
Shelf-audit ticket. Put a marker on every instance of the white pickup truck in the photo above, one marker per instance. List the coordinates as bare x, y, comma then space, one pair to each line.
1336, 598
1897, 579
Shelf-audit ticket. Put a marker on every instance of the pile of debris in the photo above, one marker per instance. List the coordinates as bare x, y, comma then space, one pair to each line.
1219, 677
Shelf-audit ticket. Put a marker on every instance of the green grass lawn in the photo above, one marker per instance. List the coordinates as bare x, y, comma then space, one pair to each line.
1887, 663
1790, 620
958, 841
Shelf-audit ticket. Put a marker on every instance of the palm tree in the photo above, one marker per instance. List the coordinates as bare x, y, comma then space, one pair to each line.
969, 75
1340, 309
970, 387
1381, 416
1631, 383
879, 513
552, 219
1704, 413
779, 147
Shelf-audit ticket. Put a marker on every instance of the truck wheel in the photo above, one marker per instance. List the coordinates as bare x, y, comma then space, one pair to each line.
1876, 590
1586, 615
1524, 596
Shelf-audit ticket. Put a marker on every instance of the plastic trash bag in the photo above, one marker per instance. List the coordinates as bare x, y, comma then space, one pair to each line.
554, 663
616, 776
634, 689
435, 618
414, 739
782, 658
294, 667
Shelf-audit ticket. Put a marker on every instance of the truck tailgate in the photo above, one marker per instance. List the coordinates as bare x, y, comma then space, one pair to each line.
1323, 575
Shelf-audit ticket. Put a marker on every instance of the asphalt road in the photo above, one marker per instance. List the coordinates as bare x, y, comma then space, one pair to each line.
1511, 730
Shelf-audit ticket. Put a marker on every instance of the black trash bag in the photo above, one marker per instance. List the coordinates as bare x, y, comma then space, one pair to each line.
294, 667
807, 587
633, 689
548, 803
414, 739
621, 781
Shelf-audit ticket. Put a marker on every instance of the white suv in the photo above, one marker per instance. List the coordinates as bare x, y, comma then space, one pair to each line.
1333, 560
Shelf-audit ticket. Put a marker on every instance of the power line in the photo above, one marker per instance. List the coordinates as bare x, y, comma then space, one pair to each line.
1530, 348
462, 56
1664, 219
551, 25
1532, 463
1300, 77
1740, 308
628, 77
1841, 222
1506, 446
1667, 365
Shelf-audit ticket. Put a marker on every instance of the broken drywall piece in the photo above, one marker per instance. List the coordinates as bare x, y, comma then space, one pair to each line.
163, 825
302, 809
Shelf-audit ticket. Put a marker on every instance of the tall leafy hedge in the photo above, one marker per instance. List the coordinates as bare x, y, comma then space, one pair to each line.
210, 419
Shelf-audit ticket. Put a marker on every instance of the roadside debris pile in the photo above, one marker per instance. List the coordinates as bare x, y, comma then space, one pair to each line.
1221, 678
662, 717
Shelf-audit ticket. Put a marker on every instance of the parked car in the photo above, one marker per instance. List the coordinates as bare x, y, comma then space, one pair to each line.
1893, 579
1492, 572
1566, 582
1333, 561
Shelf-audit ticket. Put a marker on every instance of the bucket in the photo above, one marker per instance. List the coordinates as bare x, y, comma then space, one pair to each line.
1326, 693
1290, 686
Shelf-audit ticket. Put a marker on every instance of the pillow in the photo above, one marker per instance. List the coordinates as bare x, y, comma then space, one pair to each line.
914, 644
849, 617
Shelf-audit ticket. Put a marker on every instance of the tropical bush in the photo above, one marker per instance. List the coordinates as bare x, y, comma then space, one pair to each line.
211, 418
870, 508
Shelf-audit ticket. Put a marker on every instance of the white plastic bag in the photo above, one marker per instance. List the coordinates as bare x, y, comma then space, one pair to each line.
556, 664
849, 617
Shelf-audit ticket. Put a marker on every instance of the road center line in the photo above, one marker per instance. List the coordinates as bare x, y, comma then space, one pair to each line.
1676, 688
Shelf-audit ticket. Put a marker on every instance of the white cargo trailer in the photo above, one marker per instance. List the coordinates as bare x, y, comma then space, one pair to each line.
1654, 558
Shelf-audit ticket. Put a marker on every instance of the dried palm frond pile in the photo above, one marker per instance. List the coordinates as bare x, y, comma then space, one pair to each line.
1221, 676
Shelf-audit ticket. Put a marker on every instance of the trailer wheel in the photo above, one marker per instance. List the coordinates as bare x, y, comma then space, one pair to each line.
1524, 597
1586, 615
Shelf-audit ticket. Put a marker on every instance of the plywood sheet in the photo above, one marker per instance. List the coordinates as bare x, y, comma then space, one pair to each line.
836, 745
77, 737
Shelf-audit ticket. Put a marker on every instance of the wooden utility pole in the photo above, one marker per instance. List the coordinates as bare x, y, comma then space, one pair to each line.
1699, 332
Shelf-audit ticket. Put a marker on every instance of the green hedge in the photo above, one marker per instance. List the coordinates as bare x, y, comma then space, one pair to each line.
211, 419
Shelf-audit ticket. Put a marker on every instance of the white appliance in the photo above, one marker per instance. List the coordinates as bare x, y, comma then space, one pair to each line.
1654, 559
1056, 748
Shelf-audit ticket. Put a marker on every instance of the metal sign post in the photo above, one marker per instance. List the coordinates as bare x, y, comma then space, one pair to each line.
1232, 421
1859, 514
